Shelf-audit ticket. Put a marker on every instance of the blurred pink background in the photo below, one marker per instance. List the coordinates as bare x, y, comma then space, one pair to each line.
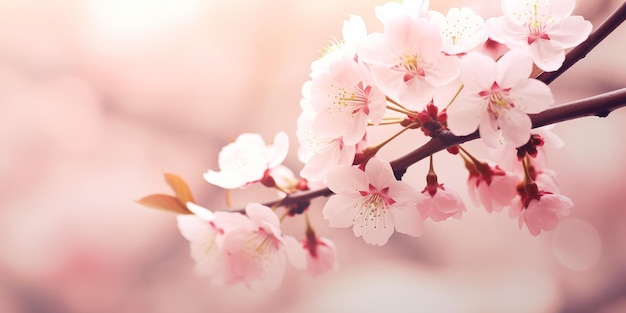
99, 97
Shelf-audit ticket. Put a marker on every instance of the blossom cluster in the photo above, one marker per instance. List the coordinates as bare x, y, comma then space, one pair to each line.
427, 71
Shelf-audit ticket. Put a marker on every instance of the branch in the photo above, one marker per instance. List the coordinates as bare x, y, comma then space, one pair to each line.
580, 51
600, 105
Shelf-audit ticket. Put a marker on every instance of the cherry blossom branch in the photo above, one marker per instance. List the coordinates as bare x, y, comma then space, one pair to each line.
599, 105
580, 51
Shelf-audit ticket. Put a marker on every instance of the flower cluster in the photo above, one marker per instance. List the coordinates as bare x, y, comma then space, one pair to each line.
451, 74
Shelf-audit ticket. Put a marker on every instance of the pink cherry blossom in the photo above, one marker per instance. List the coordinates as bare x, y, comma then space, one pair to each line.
406, 60
498, 95
544, 28
321, 255
542, 213
205, 231
373, 202
441, 205
345, 100
492, 187
462, 30
257, 256
247, 160
319, 153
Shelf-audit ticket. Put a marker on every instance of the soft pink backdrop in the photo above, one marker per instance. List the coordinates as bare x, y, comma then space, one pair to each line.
99, 97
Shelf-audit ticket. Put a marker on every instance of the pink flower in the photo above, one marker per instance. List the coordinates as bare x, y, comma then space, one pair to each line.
541, 212
235, 248
321, 254
406, 60
318, 153
498, 95
257, 255
346, 99
441, 205
544, 28
462, 30
205, 231
248, 160
373, 202
492, 187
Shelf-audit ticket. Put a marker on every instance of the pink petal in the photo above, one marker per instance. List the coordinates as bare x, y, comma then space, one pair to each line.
531, 96
379, 173
340, 210
515, 126
277, 152
201, 212
346, 179
513, 67
488, 130
546, 55
466, 113
259, 214
375, 234
478, 72
572, 31
445, 70
407, 220
194, 229
449, 202
295, 254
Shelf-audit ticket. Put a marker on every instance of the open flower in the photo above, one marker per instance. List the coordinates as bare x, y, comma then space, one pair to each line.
346, 99
205, 230
544, 28
498, 95
318, 153
406, 60
441, 205
491, 187
373, 202
235, 248
462, 30
258, 255
540, 211
248, 160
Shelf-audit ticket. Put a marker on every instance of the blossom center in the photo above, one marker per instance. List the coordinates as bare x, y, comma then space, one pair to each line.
374, 207
353, 100
410, 63
497, 99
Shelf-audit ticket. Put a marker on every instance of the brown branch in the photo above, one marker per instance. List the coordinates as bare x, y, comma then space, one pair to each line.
600, 105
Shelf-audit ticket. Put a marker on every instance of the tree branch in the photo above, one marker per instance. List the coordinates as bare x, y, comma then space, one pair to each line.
600, 105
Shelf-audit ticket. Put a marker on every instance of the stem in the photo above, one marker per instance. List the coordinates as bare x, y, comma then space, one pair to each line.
396, 103
455, 95
600, 105
580, 51
402, 110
